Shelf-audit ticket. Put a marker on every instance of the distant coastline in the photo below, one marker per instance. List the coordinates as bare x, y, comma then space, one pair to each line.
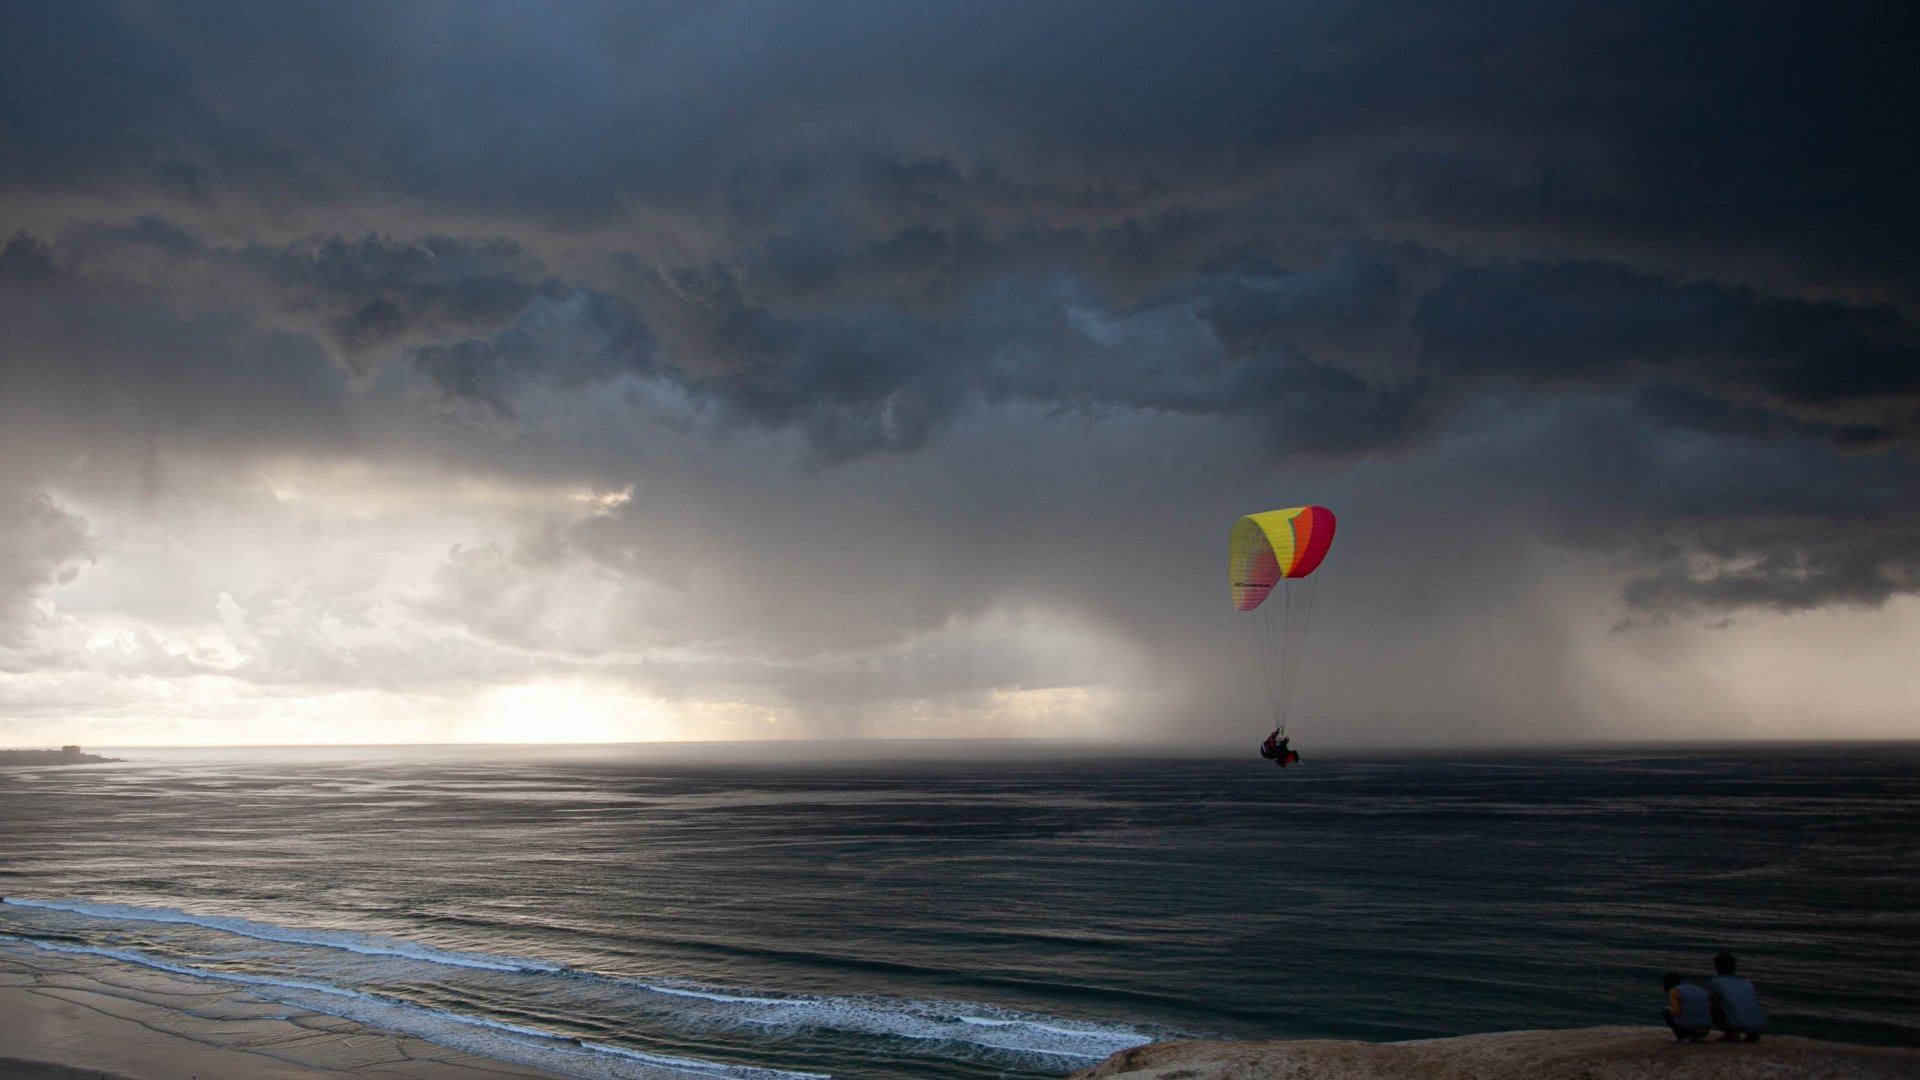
66, 755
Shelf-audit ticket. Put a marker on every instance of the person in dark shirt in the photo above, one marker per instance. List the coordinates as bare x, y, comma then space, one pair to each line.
1688, 1011
1276, 750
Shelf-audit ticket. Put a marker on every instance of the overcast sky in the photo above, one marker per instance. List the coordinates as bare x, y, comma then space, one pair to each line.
565, 371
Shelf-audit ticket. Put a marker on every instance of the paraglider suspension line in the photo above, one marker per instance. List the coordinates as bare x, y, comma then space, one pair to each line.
1283, 639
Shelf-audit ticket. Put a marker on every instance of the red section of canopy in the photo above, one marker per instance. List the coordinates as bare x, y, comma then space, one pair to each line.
1312, 536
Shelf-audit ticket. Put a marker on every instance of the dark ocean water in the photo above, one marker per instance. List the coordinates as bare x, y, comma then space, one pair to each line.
612, 912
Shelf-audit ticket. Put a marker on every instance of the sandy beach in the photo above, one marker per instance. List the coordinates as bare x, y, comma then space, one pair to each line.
133, 1024
59, 1026
55, 1027
1600, 1053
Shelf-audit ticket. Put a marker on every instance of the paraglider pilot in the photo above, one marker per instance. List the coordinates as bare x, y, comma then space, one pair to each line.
1276, 750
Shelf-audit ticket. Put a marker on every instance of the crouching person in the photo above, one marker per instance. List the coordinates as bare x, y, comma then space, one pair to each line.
1736, 1010
1689, 1012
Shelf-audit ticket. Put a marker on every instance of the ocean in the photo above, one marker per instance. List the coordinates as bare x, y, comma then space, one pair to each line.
637, 911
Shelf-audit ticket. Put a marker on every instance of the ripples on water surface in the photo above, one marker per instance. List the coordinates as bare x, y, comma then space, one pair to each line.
613, 912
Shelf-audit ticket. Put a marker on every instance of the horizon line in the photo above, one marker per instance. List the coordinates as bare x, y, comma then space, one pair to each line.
1180, 749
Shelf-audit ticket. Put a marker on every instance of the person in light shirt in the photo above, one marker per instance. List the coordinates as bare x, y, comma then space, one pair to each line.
1736, 1009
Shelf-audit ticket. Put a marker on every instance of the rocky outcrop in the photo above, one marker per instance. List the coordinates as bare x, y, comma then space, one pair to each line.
1583, 1054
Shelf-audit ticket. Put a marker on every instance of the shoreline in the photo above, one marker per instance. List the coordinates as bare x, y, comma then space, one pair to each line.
53, 1026
57, 1025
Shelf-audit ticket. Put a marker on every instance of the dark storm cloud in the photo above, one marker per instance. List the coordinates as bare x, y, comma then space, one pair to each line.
365, 300
1780, 521
1285, 351
573, 340
375, 295
1345, 232
1346, 302
1851, 373
1680, 406
84, 94
1722, 511
1779, 565
1296, 355
26, 261
460, 312
874, 379
1725, 131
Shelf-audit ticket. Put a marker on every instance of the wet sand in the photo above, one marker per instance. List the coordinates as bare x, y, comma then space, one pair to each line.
57, 1026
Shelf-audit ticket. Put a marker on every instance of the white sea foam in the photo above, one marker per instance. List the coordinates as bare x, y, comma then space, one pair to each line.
988, 1021
1001, 1030
927, 1021
131, 956
495, 1039
701, 1066
708, 995
364, 944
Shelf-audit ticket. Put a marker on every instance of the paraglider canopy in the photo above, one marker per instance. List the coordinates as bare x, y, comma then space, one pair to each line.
1269, 552
1268, 547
